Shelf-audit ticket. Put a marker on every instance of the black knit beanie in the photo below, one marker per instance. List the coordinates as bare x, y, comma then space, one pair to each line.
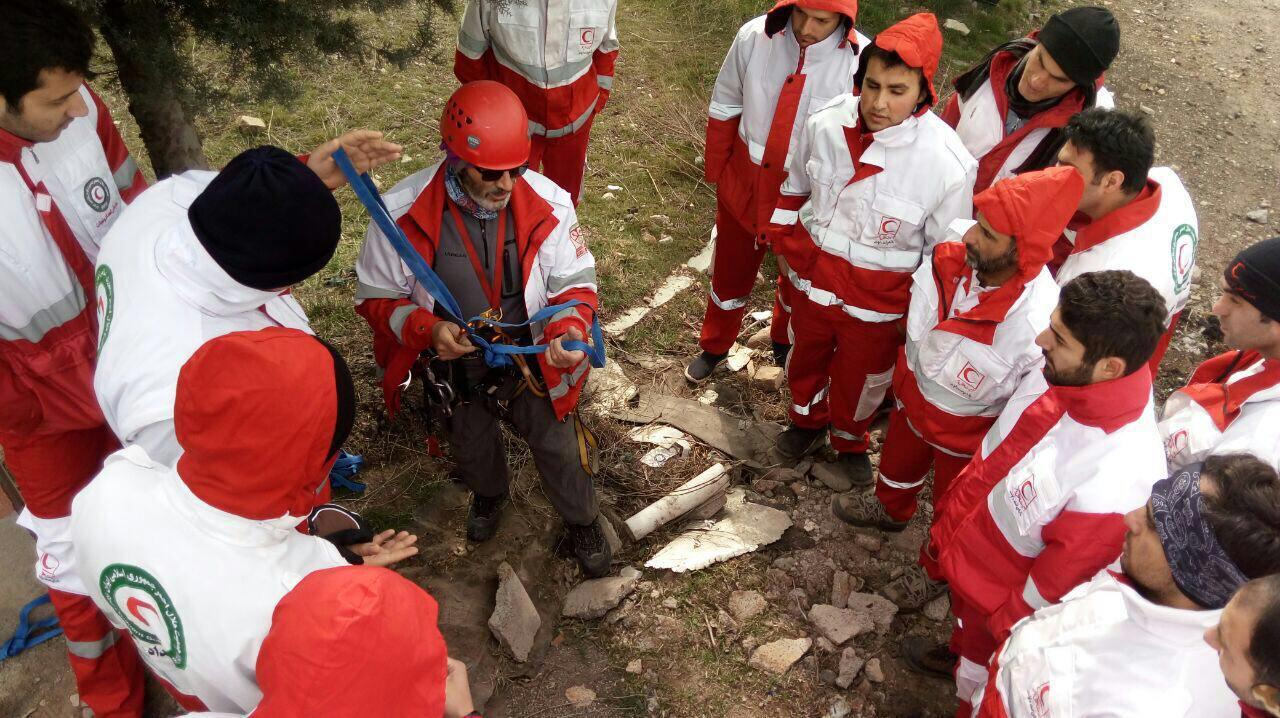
1254, 275
1083, 41
267, 219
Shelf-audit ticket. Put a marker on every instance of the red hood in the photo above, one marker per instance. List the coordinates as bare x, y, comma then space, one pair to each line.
918, 41
353, 641
1034, 208
777, 18
255, 414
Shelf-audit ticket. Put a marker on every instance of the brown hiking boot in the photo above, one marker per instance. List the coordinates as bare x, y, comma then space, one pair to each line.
864, 509
924, 656
913, 589
795, 442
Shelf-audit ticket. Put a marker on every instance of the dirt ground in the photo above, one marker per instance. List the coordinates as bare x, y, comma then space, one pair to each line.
1199, 70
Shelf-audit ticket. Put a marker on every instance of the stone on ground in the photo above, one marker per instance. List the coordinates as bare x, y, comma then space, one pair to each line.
841, 587
594, 598
938, 608
1259, 216
828, 474
515, 620
635, 667
878, 609
839, 709
745, 605
580, 696
839, 624
250, 125
778, 656
850, 666
760, 339
770, 378
875, 673
956, 26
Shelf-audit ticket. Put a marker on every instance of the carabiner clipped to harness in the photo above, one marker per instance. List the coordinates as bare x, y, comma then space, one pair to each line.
28, 633
495, 354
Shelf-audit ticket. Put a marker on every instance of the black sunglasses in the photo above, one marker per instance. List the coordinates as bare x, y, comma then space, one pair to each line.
495, 175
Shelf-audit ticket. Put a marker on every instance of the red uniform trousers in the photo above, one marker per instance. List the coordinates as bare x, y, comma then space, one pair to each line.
734, 265
563, 159
847, 358
50, 470
973, 642
905, 460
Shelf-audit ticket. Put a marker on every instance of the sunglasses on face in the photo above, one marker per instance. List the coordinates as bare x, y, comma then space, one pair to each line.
495, 175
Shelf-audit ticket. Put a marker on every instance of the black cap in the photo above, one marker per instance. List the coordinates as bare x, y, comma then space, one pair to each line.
267, 219
1083, 41
1254, 276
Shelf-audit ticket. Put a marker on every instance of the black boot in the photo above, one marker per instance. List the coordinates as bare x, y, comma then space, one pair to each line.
795, 442
780, 352
700, 369
924, 656
591, 548
482, 517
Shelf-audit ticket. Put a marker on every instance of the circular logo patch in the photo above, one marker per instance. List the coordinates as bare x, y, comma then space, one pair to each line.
106, 290
97, 195
144, 606
1183, 249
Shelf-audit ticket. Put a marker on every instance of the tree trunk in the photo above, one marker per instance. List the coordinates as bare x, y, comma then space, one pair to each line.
142, 40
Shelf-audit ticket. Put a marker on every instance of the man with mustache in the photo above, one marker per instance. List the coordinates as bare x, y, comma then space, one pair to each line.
1040, 507
782, 67
506, 243
976, 310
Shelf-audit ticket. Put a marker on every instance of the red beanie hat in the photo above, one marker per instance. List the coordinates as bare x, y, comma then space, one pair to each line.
1034, 208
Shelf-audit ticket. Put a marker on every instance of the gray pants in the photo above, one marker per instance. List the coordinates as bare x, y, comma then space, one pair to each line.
476, 439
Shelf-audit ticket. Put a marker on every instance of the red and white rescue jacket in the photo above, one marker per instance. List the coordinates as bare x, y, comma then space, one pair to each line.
855, 223
194, 585
557, 55
1155, 237
160, 297
1106, 650
1041, 507
1230, 404
953, 387
980, 120
57, 200
556, 267
767, 87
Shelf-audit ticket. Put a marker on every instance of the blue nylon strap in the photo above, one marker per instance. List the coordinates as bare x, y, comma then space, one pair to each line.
341, 476
30, 634
495, 354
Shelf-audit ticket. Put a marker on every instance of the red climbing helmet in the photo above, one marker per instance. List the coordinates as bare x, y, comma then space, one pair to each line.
485, 124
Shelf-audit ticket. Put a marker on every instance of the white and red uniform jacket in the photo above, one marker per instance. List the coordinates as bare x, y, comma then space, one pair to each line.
980, 119
556, 267
194, 585
557, 55
952, 387
1231, 404
857, 216
1155, 236
1107, 651
1041, 506
160, 297
767, 87
57, 201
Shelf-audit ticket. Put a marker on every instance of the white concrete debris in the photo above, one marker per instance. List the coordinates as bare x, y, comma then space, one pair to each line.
608, 388
738, 357
778, 656
688, 496
745, 528
515, 620
956, 26
674, 284
595, 597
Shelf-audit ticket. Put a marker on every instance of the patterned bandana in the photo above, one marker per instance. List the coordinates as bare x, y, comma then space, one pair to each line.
1200, 566
457, 193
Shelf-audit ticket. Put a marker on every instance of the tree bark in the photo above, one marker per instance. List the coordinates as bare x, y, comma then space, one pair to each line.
142, 40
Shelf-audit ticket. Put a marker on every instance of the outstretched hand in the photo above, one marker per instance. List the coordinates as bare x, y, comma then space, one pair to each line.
386, 548
365, 148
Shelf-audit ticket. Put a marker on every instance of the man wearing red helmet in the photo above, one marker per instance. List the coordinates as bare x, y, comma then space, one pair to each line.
558, 58
506, 243
782, 67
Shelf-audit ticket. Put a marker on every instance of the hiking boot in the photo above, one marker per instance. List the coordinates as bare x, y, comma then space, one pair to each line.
924, 656
700, 369
591, 548
912, 590
857, 467
862, 508
482, 517
795, 442
780, 352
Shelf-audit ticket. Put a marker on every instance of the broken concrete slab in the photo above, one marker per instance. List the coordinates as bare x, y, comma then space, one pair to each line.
515, 620
608, 389
593, 598
745, 528
830, 476
850, 666
688, 496
878, 609
778, 656
738, 358
740, 438
675, 283
839, 624
701, 262
745, 605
